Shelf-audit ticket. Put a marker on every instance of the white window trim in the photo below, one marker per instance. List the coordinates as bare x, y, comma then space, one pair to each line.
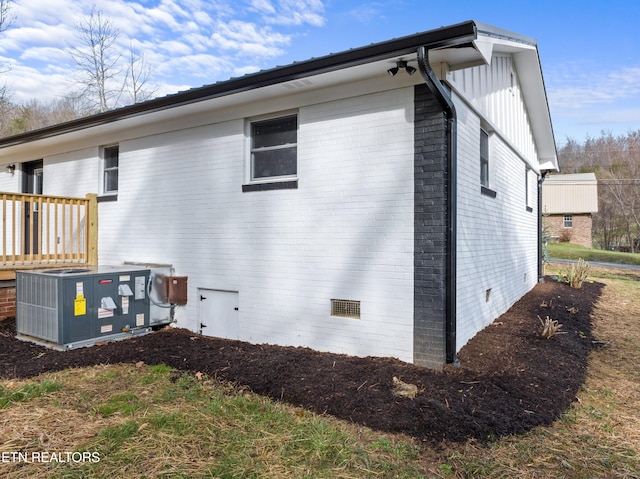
569, 220
103, 170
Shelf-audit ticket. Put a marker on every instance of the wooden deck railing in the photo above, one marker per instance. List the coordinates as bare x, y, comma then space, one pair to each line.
41, 231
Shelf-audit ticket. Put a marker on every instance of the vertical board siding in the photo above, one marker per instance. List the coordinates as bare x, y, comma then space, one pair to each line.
491, 91
346, 232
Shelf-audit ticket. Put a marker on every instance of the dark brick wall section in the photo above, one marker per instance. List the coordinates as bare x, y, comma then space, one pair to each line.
430, 230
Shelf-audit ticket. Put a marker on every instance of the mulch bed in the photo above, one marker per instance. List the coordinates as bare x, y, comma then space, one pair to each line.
510, 379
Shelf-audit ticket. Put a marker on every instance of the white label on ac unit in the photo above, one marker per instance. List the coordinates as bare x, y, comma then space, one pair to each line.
124, 278
139, 286
107, 328
79, 288
125, 304
140, 319
105, 313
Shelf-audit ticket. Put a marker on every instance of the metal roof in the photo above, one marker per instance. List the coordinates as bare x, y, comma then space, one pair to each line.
571, 178
459, 44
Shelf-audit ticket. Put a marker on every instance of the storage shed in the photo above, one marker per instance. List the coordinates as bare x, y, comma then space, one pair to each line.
568, 203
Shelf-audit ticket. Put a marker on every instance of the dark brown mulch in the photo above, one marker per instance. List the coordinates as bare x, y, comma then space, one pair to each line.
510, 379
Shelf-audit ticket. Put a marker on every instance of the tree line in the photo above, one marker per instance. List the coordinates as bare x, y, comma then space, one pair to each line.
615, 160
105, 78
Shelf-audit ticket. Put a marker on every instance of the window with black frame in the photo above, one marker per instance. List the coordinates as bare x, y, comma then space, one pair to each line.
110, 157
484, 159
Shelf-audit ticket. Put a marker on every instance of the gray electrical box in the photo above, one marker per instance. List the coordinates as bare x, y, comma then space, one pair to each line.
69, 308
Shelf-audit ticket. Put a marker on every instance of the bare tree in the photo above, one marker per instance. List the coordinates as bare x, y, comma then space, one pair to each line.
98, 61
6, 20
35, 114
616, 163
138, 77
6, 17
107, 79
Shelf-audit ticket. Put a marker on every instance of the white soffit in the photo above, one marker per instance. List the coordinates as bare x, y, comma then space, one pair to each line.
485, 48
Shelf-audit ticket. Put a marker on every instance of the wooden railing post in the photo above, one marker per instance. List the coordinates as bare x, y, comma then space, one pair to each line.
92, 229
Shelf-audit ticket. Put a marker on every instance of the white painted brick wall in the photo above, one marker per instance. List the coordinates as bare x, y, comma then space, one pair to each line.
346, 232
72, 174
10, 182
497, 237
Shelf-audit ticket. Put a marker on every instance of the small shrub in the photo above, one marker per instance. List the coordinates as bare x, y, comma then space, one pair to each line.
578, 273
564, 236
550, 327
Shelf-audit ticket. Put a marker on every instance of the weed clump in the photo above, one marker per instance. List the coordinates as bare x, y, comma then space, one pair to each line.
578, 274
550, 327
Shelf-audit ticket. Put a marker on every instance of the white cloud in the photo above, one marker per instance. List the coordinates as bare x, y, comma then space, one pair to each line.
370, 12
52, 12
20, 39
296, 12
248, 39
28, 84
183, 41
49, 55
200, 66
263, 6
245, 70
575, 88
586, 98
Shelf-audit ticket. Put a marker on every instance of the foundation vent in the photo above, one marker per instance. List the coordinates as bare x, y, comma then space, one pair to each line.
345, 308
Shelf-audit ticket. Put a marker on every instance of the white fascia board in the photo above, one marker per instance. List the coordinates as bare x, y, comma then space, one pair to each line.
535, 97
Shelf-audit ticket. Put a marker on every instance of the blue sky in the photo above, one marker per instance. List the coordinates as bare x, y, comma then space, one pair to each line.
590, 51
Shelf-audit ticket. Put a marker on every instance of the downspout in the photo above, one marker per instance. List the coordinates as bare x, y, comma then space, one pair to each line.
444, 97
541, 259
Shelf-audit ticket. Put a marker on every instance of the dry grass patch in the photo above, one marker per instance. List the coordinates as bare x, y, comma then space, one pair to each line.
599, 437
154, 422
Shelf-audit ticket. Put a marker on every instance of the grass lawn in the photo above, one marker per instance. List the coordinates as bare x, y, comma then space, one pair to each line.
574, 251
139, 421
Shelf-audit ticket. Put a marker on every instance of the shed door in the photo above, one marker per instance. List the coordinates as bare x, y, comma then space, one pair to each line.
219, 314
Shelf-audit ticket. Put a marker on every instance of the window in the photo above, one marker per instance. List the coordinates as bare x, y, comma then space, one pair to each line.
484, 165
484, 159
110, 158
568, 221
274, 148
527, 187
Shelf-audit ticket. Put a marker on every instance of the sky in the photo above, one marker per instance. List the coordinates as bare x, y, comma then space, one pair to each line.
589, 50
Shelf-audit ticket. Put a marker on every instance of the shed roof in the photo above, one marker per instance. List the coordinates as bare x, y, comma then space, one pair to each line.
571, 178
